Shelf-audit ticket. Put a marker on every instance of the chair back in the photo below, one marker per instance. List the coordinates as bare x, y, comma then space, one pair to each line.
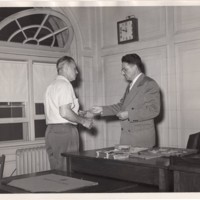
2, 163
194, 141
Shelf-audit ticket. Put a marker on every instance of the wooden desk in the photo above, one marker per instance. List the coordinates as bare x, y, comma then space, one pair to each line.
152, 172
104, 184
186, 173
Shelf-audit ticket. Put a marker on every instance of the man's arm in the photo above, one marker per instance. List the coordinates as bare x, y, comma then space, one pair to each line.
67, 113
111, 109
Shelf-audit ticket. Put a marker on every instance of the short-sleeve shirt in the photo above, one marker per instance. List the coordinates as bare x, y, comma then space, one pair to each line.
60, 92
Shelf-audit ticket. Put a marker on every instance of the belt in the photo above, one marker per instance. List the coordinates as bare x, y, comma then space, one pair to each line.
65, 124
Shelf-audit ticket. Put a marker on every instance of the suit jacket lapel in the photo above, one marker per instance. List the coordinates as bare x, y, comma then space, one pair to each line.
132, 93
125, 94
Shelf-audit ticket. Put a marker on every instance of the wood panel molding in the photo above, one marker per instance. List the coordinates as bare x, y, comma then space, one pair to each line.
156, 30
186, 19
187, 69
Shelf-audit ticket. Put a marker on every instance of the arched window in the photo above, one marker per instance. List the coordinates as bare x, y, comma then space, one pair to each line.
38, 27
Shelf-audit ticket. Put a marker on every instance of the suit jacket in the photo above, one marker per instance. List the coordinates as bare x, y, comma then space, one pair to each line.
143, 104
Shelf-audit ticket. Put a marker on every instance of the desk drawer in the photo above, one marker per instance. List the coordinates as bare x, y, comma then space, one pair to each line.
116, 169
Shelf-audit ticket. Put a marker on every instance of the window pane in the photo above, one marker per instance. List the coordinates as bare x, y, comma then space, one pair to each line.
11, 132
14, 81
47, 42
8, 30
40, 128
18, 38
31, 19
43, 75
12, 109
39, 109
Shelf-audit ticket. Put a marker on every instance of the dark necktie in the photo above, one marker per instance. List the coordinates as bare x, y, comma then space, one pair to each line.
127, 89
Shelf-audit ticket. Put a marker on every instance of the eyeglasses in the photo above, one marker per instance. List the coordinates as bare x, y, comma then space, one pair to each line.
124, 70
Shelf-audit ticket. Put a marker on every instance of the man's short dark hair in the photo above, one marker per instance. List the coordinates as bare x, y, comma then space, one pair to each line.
61, 61
133, 59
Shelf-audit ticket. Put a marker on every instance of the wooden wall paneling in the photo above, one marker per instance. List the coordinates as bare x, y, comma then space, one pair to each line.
114, 89
171, 94
84, 19
188, 85
88, 91
86, 96
186, 19
186, 23
151, 23
156, 67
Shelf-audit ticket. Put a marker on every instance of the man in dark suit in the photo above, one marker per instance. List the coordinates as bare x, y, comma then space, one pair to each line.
138, 107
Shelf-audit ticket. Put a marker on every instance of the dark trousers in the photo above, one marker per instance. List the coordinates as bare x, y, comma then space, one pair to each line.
60, 138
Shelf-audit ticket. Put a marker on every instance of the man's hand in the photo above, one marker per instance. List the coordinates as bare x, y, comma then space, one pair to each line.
96, 109
123, 115
85, 113
88, 123
82, 113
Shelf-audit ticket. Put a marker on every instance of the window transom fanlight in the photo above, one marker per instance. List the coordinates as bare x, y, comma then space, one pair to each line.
40, 27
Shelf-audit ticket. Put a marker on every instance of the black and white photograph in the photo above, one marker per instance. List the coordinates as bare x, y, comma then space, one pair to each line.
99, 99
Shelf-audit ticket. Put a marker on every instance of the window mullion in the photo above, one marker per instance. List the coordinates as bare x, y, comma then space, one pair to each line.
41, 26
53, 34
30, 106
21, 28
13, 120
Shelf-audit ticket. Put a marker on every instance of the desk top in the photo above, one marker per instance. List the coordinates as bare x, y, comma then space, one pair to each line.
156, 159
189, 163
104, 184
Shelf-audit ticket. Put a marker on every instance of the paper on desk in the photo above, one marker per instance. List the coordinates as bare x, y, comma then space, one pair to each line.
50, 183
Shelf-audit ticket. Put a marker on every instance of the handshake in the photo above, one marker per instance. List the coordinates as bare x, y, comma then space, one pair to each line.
88, 115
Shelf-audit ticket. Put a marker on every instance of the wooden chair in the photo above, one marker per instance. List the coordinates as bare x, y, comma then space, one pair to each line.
194, 141
2, 163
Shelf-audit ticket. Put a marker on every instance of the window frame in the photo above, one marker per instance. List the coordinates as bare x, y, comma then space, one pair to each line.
29, 138
40, 116
31, 54
47, 12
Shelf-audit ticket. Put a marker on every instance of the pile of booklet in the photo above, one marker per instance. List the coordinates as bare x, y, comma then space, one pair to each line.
161, 152
118, 152
121, 152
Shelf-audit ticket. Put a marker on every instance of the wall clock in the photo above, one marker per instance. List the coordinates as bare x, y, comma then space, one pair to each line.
127, 30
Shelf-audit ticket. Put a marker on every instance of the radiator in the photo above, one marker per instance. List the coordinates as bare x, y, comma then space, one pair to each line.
30, 160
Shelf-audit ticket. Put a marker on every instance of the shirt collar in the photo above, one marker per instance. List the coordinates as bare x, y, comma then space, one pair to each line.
134, 80
60, 77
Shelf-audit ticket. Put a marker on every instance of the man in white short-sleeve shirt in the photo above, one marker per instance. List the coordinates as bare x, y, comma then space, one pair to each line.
62, 114
57, 96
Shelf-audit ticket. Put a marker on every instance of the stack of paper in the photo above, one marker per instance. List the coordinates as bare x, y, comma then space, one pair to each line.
50, 183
